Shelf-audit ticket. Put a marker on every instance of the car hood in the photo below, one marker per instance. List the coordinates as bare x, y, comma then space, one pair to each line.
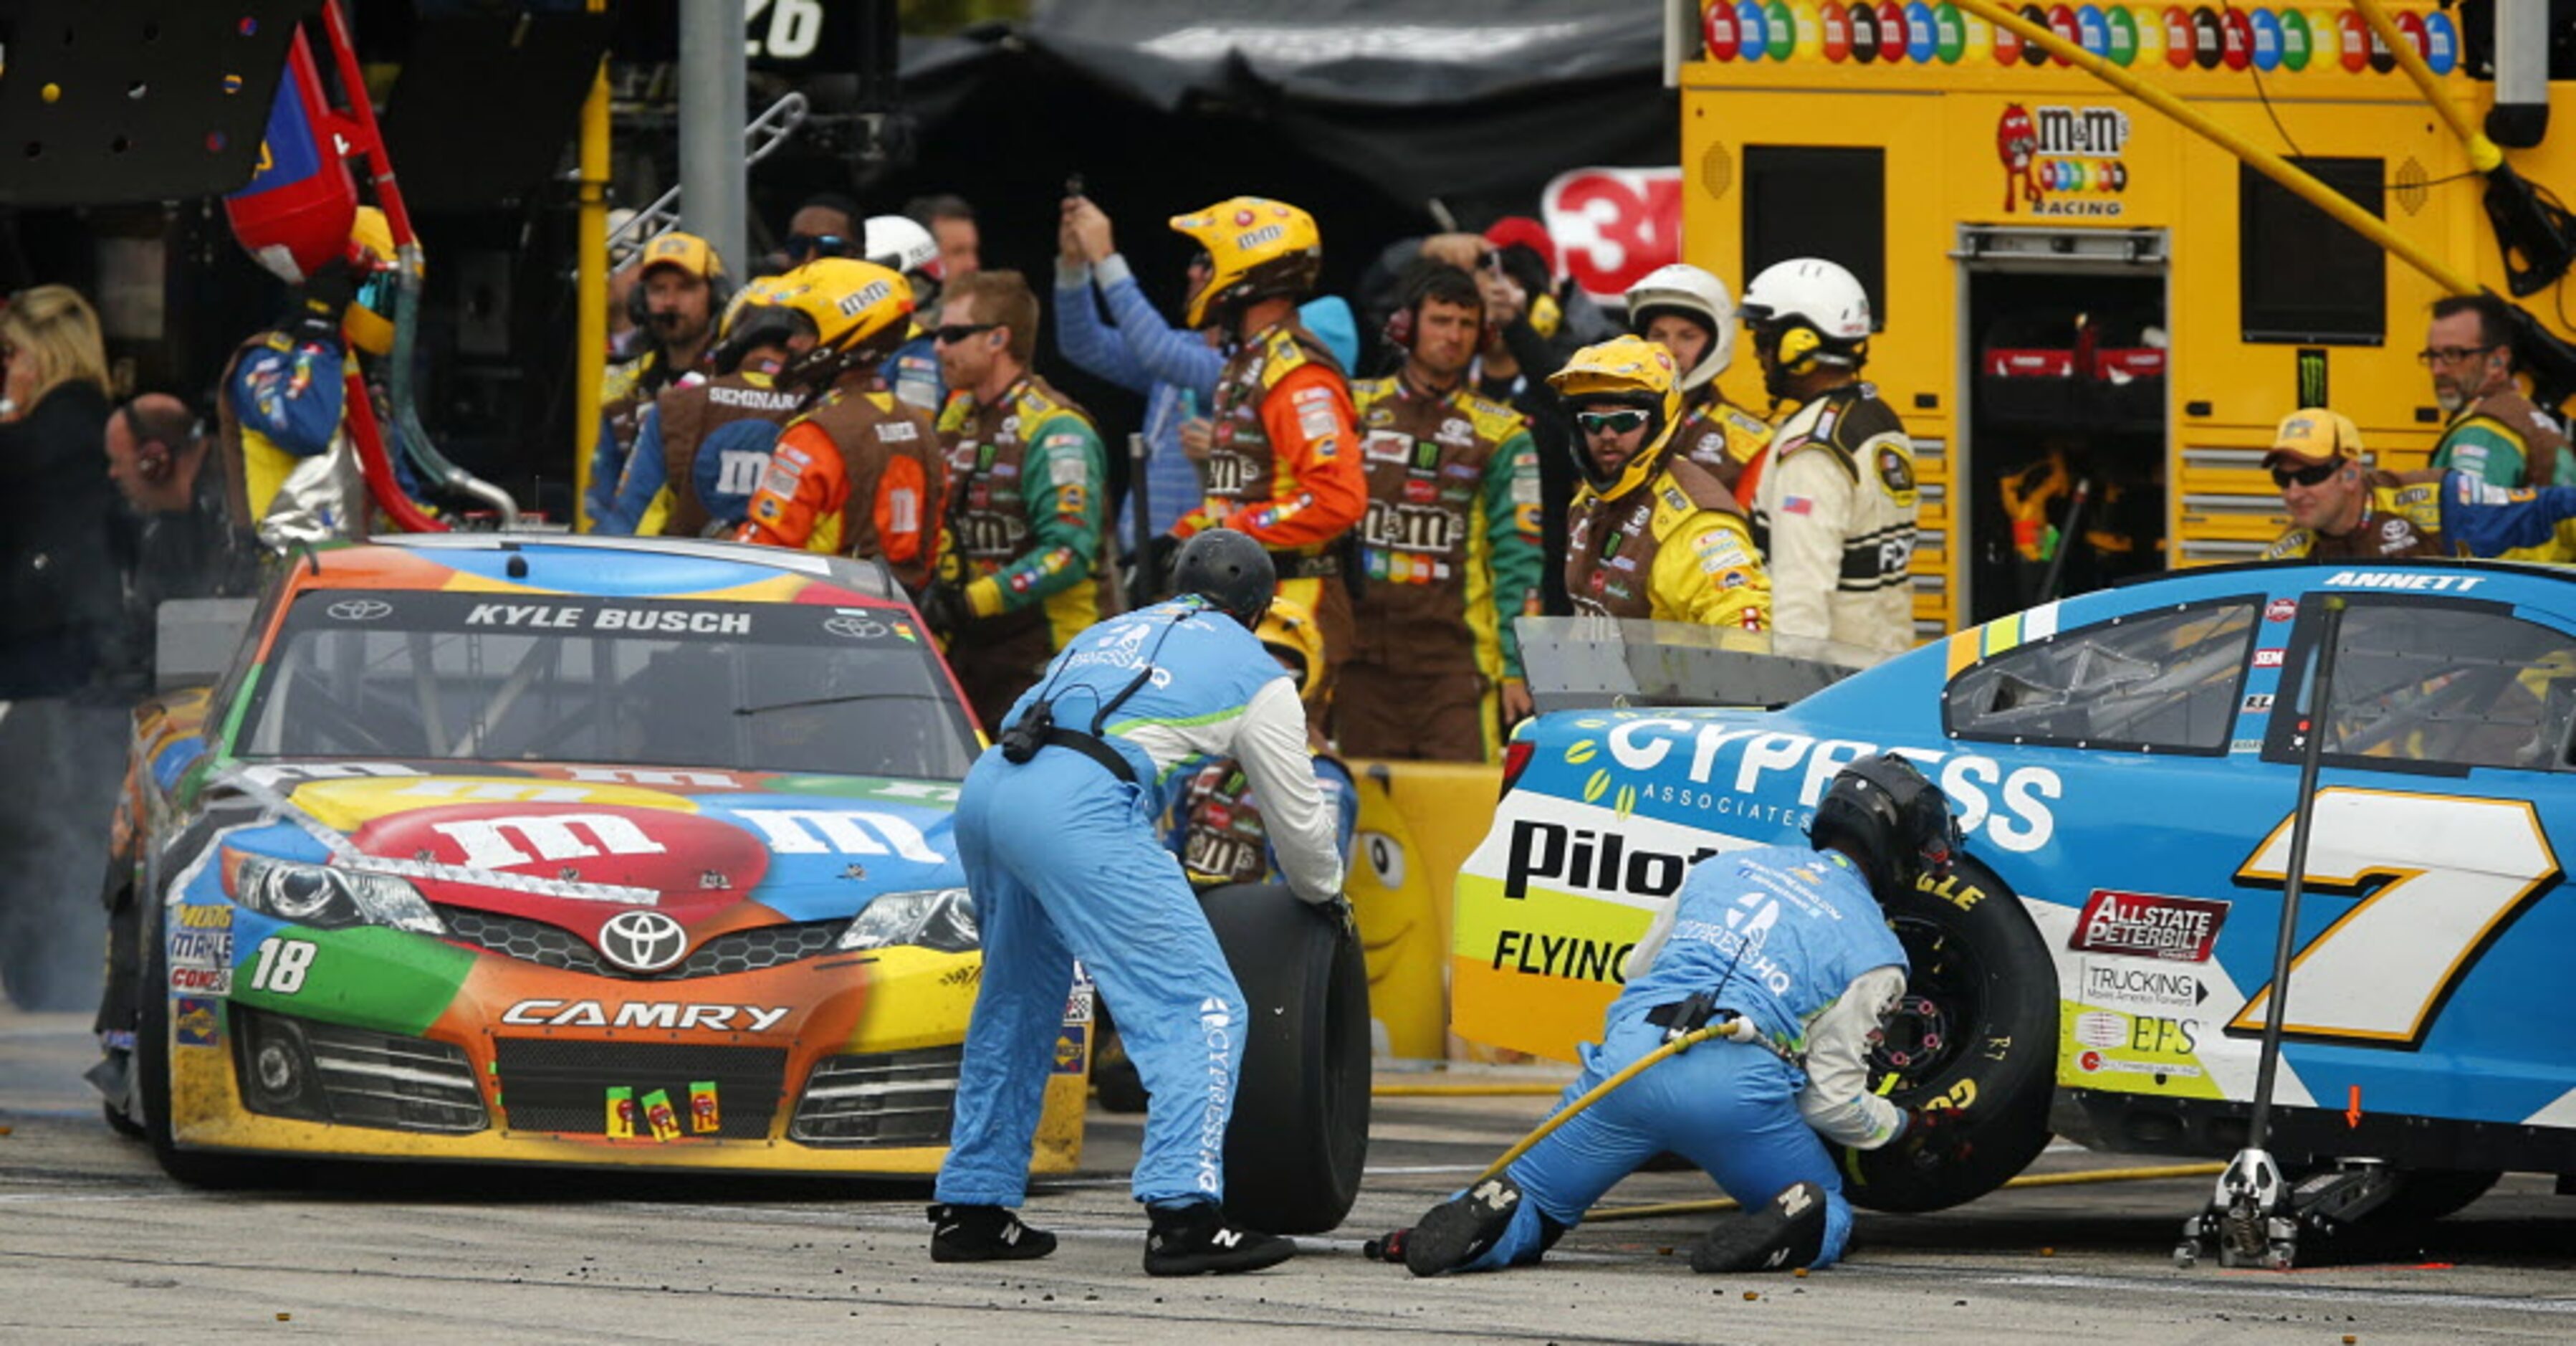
573, 845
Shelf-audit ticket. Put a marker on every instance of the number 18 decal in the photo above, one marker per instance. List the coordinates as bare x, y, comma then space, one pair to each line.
2456, 871
282, 965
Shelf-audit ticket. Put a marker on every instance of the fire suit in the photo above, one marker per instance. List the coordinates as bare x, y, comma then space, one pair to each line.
1027, 492
1725, 440
288, 467
1063, 860
625, 394
700, 451
1284, 468
1834, 512
1666, 542
858, 475
2447, 513
1216, 828
1450, 547
1787, 937
2502, 439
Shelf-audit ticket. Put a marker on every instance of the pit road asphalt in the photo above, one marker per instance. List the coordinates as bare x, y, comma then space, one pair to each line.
97, 1245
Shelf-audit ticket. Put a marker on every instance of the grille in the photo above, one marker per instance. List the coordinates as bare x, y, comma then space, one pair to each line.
882, 1100
562, 1084
364, 1078
553, 946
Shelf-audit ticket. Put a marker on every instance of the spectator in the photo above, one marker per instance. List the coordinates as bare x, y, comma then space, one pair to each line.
950, 220
1028, 483
858, 474
186, 541
912, 372
2341, 510
58, 586
1450, 543
681, 289
2495, 434
1283, 463
827, 225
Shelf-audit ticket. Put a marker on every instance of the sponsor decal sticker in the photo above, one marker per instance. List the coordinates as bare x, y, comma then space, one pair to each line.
2148, 925
2268, 658
198, 1022
2281, 610
2143, 984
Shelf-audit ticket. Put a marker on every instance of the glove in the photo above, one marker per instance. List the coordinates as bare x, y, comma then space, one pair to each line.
313, 315
944, 609
1339, 910
1933, 1138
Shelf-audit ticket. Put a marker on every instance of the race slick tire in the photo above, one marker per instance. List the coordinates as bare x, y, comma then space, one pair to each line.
1301, 1106
1976, 1033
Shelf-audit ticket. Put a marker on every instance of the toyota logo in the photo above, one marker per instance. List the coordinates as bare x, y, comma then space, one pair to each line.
643, 941
360, 609
854, 628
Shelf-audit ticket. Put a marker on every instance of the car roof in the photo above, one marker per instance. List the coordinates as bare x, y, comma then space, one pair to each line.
2534, 569
869, 578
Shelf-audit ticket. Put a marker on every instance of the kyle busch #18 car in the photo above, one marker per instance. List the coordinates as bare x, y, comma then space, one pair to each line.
2125, 766
545, 850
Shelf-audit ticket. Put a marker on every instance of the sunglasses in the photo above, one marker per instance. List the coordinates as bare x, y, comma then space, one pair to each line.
2305, 476
805, 247
953, 333
1617, 422
2451, 355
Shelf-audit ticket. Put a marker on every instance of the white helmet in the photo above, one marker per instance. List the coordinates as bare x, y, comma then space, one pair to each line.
1685, 289
1813, 292
901, 245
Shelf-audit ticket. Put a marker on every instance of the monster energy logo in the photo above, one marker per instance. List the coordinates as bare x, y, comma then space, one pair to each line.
2312, 376
1610, 544
1426, 455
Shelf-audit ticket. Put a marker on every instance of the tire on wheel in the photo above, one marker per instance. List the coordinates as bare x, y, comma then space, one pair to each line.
2424, 1195
1975, 1032
1299, 1137
152, 1049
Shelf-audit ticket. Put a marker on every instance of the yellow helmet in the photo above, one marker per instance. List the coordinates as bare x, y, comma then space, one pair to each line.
1629, 371
860, 312
1256, 247
371, 256
1290, 633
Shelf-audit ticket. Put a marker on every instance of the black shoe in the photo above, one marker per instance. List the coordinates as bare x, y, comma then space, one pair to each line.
1461, 1229
1192, 1239
984, 1234
1782, 1234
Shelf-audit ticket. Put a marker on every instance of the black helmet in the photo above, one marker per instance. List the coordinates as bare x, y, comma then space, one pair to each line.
1229, 570
1897, 822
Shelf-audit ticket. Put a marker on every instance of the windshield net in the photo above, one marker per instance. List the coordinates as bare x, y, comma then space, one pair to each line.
624, 681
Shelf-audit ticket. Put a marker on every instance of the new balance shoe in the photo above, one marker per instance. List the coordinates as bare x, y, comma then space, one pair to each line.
1463, 1228
1194, 1239
984, 1234
1782, 1234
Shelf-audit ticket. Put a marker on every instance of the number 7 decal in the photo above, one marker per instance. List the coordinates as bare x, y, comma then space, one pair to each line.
2457, 872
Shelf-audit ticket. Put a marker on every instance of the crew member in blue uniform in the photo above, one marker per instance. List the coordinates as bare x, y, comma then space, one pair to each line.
1055, 828
1789, 942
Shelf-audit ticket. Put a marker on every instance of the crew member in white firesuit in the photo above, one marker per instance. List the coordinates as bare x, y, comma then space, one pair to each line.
913, 372
1688, 311
1834, 511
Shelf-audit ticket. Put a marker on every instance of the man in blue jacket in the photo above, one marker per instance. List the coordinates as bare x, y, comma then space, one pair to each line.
1787, 941
1055, 828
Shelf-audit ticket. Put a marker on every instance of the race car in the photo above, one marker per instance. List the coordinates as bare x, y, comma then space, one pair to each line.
2125, 767
557, 852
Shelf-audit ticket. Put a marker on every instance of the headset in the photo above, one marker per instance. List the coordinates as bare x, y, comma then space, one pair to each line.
1399, 328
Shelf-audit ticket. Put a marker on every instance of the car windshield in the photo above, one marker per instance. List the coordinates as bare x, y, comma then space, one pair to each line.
622, 681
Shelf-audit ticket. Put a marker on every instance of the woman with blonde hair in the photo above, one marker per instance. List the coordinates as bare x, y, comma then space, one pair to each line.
59, 589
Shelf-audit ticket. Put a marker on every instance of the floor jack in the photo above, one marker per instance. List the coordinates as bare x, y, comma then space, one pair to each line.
2255, 1217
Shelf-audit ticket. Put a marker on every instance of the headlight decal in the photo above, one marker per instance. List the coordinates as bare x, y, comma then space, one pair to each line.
941, 919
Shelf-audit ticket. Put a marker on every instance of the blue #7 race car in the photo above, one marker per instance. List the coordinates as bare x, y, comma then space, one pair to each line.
2125, 766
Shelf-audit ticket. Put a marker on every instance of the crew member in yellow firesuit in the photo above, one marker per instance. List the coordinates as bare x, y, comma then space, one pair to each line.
1027, 491
1651, 533
1450, 543
859, 473
1283, 459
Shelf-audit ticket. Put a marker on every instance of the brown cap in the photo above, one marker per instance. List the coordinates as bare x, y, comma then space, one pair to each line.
2314, 436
